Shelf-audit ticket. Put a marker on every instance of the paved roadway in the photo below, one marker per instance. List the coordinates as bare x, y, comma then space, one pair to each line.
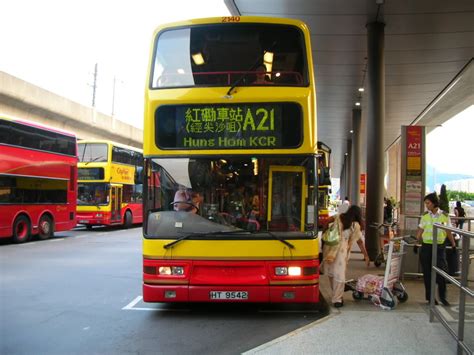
79, 293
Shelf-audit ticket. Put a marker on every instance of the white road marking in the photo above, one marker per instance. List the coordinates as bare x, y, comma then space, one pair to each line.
131, 307
133, 303
56, 240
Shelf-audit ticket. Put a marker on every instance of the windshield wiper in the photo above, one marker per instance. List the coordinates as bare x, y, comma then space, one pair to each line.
93, 160
201, 234
274, 236
252, 68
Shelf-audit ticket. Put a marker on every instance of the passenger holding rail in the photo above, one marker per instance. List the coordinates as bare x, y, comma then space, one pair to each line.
425, 234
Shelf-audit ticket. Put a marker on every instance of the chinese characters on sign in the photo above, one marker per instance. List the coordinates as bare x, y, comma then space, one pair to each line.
229, 126
362, 184
414, 134
413, 190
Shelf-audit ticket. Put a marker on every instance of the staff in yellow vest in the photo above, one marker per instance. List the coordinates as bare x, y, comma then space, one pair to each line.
425, 235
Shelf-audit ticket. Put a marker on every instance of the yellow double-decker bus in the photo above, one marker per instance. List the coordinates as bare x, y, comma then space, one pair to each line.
231, 163
110, 184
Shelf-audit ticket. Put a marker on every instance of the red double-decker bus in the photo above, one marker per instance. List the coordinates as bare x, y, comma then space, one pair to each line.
38, 180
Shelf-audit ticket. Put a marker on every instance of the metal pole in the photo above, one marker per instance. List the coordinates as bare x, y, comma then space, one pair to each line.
434, 257
375, 132
348, 169
462, 295
94, 86
113, 97
355, 157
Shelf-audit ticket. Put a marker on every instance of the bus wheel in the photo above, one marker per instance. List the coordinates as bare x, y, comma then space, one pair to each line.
127, 220
21, 229
45, 228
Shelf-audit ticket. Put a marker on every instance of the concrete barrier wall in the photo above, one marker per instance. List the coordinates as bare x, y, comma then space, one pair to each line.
21, 99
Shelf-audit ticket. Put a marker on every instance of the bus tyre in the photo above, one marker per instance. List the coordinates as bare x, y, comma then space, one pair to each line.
127, 220
45, 228
21, 229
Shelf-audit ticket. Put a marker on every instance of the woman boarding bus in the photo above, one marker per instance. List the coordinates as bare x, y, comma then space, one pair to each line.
241, 153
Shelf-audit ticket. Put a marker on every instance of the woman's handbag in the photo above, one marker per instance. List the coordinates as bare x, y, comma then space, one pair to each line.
332, 236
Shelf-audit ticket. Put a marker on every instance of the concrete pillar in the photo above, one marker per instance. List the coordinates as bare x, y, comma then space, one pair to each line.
375, 131
355, 157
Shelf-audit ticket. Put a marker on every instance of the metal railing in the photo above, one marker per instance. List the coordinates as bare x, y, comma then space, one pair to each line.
462, 285
465, 219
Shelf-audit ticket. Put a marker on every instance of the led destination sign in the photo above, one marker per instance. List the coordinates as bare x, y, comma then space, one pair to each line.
90, 173
236, 126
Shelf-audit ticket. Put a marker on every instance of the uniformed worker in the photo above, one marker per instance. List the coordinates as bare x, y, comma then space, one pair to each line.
425, 235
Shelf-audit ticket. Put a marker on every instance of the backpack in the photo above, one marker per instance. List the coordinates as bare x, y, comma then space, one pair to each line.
461, 212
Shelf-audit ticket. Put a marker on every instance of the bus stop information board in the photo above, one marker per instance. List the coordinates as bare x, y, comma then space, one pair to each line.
247, 126
413, 174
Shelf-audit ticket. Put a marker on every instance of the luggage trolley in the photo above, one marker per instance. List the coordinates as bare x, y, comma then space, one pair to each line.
384, 239
383, 291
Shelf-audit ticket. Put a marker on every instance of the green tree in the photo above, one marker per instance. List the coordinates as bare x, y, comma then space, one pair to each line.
459, 195
443, 199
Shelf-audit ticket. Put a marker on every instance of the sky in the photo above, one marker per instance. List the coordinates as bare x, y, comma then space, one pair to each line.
55, 44
449, 147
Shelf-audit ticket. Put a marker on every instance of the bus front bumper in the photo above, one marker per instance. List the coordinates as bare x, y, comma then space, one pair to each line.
96, 218
251, 294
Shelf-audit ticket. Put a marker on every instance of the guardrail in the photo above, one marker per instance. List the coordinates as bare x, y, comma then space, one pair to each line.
465, 219
462, 285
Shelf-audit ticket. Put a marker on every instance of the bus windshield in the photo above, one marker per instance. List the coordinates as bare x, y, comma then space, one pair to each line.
229, 54
93, 194
257, 195
93, 152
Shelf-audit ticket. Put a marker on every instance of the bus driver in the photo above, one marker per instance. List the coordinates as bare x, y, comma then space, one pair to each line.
183, 201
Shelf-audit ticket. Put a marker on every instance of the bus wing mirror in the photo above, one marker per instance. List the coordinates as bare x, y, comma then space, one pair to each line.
139, 172
325, 177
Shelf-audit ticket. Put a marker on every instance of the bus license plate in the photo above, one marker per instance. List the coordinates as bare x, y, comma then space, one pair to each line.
229, 295
83, 221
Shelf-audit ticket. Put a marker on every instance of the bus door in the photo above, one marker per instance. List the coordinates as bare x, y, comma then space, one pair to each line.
116, 203
286, 201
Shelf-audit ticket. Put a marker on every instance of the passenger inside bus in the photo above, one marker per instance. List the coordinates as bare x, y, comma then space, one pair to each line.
262, 78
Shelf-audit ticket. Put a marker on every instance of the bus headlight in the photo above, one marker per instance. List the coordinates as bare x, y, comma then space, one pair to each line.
294, 271
171, 270
288, 271
98, 215
177, 270
164, 270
